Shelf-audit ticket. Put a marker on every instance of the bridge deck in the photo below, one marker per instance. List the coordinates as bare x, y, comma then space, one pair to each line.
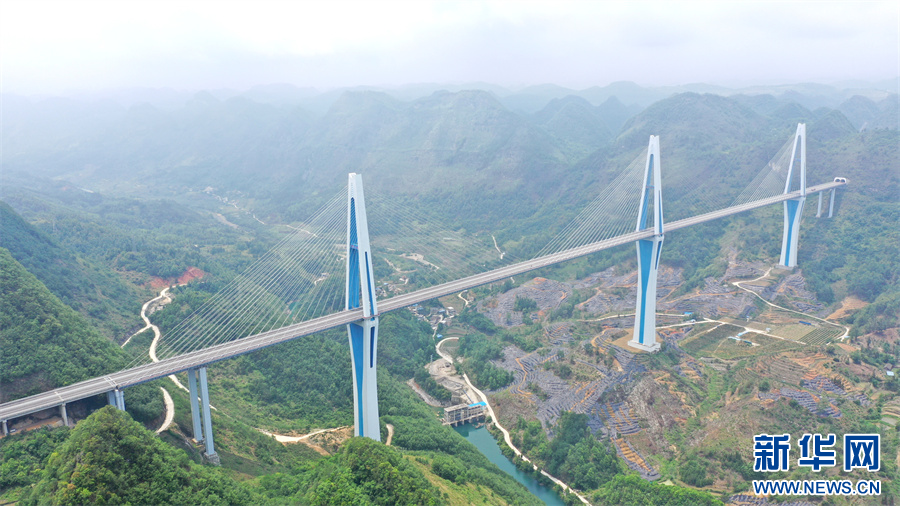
148, 372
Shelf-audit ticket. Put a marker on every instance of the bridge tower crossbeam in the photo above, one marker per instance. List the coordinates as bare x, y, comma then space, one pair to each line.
363, 334
648, 251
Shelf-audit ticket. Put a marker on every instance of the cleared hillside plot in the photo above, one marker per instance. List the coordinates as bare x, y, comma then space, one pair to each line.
705, 342
890, 414
714, 341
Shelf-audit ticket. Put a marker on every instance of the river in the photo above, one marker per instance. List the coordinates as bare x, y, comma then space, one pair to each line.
482, 439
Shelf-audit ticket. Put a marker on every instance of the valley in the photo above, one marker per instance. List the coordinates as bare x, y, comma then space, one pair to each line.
748, 348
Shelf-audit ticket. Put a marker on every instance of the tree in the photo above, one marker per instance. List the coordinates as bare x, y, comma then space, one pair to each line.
111, 459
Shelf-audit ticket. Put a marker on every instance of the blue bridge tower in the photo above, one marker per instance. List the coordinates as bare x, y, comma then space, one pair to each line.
793, 208
648, 250
364, 333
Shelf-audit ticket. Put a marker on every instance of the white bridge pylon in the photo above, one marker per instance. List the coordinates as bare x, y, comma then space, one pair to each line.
793, 208
648, 250
363, 333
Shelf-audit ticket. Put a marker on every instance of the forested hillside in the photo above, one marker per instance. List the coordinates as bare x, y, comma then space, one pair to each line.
109, 458
105, 200
45, 343
91, 288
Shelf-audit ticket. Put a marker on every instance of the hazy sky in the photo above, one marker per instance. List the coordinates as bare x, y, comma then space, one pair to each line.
49, 47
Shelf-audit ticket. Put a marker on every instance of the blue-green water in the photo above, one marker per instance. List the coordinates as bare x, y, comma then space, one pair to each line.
484, 441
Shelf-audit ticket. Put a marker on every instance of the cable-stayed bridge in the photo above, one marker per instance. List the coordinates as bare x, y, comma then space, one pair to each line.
615, 218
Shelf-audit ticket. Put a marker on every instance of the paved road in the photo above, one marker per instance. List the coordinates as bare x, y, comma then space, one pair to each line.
231, 349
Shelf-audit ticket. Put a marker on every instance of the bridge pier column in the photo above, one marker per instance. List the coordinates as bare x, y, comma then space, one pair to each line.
648, 251
793, 209
831, 202
645, 308
363, 344
819, 209
63, 414
119, 397
5, 429
193, 393
111, 397
363, 334
211, 455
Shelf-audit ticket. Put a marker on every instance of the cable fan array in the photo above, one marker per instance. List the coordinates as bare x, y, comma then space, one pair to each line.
302, 277
612, 213
771, 179
415, 249
298, 279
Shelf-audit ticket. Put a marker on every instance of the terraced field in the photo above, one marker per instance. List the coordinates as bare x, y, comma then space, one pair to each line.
784, 370
822, 335
705, 343
794, 331
891, 413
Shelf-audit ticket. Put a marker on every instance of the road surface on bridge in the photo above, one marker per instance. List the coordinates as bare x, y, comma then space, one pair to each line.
248, 344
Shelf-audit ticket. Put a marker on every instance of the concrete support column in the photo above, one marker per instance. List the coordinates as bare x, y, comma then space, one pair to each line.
831, 202
111, 397
5, 429
819, 209
119, 398
648, 250
193, 393
63, 414
207, 420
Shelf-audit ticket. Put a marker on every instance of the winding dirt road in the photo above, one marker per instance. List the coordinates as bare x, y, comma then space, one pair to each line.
170, 411
162, 295
738, 284
167, 399
157, 334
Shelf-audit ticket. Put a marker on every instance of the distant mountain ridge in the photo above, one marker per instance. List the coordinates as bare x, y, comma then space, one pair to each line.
230, 142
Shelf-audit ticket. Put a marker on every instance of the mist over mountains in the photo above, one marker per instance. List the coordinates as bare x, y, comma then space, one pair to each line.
283, 145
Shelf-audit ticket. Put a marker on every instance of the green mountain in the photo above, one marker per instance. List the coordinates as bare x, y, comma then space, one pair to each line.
110, 459
93, 289
45, 343
576, 124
